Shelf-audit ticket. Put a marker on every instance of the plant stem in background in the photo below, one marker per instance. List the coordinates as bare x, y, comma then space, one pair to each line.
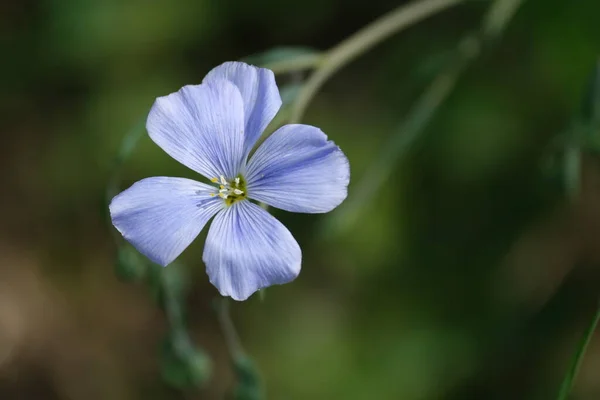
232, 339
499, 14
249, 384
183, 365
581, 137
567, 383
300, 63
361, 42
331, 61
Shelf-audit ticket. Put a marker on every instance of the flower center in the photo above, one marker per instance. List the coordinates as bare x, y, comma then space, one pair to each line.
230, 191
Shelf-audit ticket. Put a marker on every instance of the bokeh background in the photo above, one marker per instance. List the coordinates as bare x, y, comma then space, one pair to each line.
469, 276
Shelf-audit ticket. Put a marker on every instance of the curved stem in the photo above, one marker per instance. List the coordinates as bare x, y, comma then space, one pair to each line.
362, 41
231, 337
405, 136
296, 64
410, 130
567, 383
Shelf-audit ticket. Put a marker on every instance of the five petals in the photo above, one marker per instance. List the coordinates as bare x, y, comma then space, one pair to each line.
211, 128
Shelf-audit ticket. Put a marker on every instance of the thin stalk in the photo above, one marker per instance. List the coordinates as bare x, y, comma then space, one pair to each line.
422, 113
299, 63
362, 41
234, 345
573, 370
405, 137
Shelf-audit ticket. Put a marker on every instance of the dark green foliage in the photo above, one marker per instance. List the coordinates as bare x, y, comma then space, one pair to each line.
249, 383
183, 366
280, 54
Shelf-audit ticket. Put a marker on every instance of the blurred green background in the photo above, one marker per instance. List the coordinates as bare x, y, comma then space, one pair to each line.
469, 276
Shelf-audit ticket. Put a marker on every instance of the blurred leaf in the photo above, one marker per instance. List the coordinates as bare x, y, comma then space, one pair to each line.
281, 54
182, 365
131, 265
249, 384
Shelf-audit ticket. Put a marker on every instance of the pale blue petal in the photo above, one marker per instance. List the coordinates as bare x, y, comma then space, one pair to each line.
202, 127
161, 216
259, 91
247, 249
297, 169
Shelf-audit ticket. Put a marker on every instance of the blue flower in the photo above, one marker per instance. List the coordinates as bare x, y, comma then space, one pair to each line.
211, 129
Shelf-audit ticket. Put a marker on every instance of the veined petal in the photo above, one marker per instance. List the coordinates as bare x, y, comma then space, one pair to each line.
202, 127
297, 169
161, 216
248, 249
259, 91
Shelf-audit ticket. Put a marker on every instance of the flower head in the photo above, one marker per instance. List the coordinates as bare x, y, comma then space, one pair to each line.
211, 128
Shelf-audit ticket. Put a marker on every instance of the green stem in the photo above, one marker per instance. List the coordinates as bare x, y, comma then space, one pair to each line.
567, 383
234, 345
171, 305
300, 63
499, 15
404, 138
427, 104
361, 42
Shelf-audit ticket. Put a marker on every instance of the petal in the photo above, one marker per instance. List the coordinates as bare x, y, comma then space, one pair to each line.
202, 127
248, 249
298, 169
259, 91
161, 216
